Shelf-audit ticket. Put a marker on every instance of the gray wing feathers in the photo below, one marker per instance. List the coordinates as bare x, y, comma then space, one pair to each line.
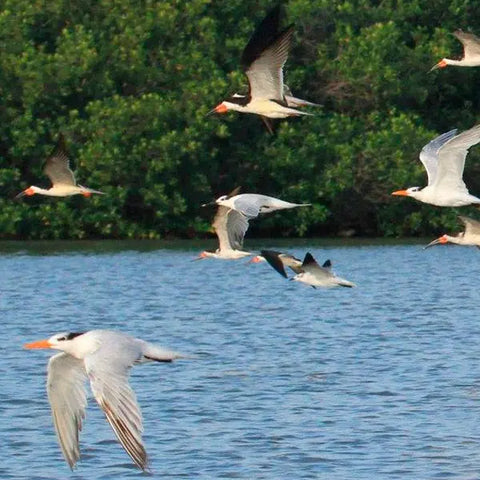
230, 227
265, 74
471, 43
452, 158
429, 154
68, 400
57, 169
109, 383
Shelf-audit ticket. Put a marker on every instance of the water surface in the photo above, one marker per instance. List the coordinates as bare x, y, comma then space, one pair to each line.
287, 382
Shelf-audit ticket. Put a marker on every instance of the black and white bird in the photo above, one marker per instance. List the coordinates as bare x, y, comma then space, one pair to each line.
444, 160
262, 60
471, 52
232, 217
279, 260
470, 236
315, 275
57, 169
103, 357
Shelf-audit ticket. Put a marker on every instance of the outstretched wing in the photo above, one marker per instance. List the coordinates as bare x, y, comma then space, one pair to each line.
451, 160
429, 154
68, 400
264, 56
57, 165
471, 43
230, 227
108, 369
472, 227
272, 257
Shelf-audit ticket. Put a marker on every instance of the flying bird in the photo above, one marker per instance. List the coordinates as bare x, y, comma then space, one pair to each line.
104, 357
471, 235
471, 52
262, 60
232, 217
279, 260
315, 275
444, 161
57, 169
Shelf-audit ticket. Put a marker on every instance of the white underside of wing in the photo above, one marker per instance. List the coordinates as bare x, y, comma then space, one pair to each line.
66, 393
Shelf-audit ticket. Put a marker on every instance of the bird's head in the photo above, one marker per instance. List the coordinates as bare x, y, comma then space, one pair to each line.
441, 240
257, 259
220, 108
28, 192
59, 341
409, 192
441, 64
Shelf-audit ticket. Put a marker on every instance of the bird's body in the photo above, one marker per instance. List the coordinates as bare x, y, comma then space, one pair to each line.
471, 52
232, 217
104, 357
262, 60
319, 276
471, 235
444, 161
57, 169
252, 204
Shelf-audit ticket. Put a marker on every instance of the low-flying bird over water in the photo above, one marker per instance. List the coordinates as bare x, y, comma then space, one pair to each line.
232, 217
279, 260
471, 52
471, 235
262, 60
444, 160
104, 357
57, 169
315, 275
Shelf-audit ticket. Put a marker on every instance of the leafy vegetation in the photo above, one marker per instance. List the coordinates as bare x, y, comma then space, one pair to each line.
130, 83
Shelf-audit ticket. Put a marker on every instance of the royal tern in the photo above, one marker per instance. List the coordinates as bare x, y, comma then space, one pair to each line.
57, 169
319, 276
232, 217
471, 52
471, 235
262, 60
104, 357
444, 161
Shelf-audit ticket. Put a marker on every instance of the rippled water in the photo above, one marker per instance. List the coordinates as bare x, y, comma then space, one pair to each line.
288, 382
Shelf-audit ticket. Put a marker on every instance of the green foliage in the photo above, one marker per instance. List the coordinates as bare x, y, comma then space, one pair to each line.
130, 83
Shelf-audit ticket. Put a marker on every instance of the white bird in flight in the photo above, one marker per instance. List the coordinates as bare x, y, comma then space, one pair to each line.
104, 357
232, 217
262, 60
471, 52
444, 160
57, 169
319, 276
471, 235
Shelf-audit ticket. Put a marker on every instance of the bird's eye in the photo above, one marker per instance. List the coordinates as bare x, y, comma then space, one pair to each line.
60, 339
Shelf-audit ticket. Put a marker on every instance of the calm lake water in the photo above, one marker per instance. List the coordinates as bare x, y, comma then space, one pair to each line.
287, 382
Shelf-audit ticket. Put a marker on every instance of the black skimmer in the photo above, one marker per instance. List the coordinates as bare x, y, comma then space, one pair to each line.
471, 52
57, 169
262, 60
470, 236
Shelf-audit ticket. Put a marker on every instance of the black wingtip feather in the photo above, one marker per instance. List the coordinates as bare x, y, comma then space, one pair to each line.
309, 260
265, 34
327, 264
271, 256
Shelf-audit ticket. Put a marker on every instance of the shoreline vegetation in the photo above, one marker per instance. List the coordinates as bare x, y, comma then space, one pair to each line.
130, 83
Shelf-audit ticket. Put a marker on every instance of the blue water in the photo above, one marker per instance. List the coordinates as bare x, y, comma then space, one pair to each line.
286, 382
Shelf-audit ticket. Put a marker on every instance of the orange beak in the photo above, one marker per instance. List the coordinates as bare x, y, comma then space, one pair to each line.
221, 108
440, 64
256, 259
443, 239
38, 344
402, 193
201, 256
